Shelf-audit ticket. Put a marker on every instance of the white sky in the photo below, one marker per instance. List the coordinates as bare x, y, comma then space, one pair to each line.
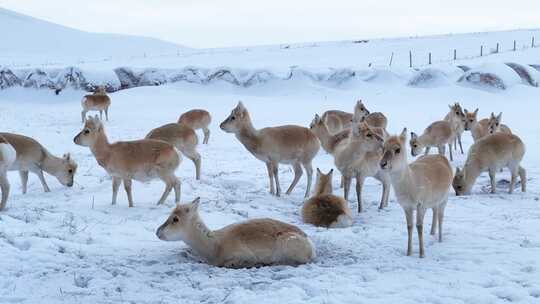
218, 23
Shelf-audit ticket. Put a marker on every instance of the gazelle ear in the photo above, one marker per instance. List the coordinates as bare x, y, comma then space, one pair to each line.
67, 156
403, 135
413, 135
499, 116
465, 111
331, 171
319, 171
195, 204
317, 118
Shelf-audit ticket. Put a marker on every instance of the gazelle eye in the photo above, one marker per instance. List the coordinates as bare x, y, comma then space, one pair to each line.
369, 135
233, 118
415, 146
175, 219
86, 131
397, 150
457, 113
70, 171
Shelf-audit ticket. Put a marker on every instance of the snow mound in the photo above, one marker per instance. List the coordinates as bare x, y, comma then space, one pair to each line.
435, 76
8, 78
527, 74
492, 76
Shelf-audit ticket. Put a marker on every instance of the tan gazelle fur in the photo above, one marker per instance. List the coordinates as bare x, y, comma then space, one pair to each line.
337, 120
253, 243
456, 118
99, 101
492, 153
359, 159
289, 144
375, 119
418, 186
7, 158
324, 209
33, 157
182, 138
485, 126
329, 141
197, 119
437, 134
141, 160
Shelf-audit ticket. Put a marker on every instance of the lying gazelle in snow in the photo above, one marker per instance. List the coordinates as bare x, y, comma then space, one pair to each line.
456, 118
492, 153
337, 120
253, 243
329, 141
33, 157
7, 158
182, 138
141, 160
289, 144
375, 119
485, 126
418, 186
99, 101
438, 134
324, 209
197, 119
359, 158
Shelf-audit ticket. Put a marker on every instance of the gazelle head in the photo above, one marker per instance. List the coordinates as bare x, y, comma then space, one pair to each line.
364, 133
360, 111
316, 123
100, 90
494, 123
395, 152
456, 110
324, 182
65, 173
459, 183
87, 137
416, 145
181, 219
238, 118
470, 119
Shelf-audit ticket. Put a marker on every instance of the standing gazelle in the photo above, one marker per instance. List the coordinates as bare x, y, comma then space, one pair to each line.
197, 119
375, 119
141, 160
253, 243
34, 157
289, 144
182, 138
492, 153
420, 185
7, 158
99, 101
456, 118
437, 134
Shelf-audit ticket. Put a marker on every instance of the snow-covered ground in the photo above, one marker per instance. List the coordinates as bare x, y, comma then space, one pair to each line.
72, 246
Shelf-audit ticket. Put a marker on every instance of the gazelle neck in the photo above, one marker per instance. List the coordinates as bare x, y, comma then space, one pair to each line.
201, 239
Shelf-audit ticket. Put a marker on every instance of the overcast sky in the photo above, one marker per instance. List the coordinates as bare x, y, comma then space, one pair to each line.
218, 23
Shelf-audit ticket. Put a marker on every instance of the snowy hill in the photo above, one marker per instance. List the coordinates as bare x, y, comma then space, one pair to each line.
27, 40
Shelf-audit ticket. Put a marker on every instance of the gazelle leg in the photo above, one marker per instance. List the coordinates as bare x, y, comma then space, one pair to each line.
127, 187
297, 174
410, 223
309, 172
116, 181
271, 177
492, 179
24, 180
420, 212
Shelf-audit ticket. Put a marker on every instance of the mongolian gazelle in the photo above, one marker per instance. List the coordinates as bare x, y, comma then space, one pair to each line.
253, 243
7, 158
375, 119
197, 119
492, 153
324, 209
33, 157
418, 186
337, 120
359, 158
329, 141
140, 160
456, 118
99, 101
438, 134
182, 138
287, 144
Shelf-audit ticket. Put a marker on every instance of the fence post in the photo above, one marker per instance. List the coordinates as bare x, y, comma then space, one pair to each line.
514, 45
481, 50
429, 61
532, 43
497, 48
455, 54
391, 58
410, 59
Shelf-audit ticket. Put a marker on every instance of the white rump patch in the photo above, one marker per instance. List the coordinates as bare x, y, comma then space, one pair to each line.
8, 154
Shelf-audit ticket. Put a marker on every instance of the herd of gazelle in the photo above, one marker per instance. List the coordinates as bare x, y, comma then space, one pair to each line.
358, 141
